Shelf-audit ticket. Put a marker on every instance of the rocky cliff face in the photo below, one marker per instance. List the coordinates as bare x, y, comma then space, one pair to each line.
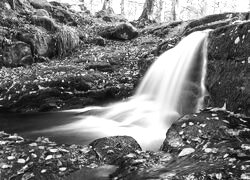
228, 78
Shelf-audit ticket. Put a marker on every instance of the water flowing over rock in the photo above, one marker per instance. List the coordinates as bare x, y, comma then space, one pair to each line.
162, 97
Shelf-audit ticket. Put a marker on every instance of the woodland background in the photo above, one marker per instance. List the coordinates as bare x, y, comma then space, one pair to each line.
165, 10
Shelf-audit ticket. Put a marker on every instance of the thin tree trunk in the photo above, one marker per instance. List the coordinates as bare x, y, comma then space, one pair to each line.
173, 9
147, 9
159, 11
122, 7
106, 4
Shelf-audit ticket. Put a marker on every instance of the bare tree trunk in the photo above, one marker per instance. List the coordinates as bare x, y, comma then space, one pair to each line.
173, 9
159, 11
106, 4
122, 7
147, 9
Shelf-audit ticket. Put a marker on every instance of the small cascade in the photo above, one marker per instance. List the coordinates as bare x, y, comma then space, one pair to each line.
167, 91
200, 102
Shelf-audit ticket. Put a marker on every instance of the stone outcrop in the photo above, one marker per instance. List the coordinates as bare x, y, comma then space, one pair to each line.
212, 143
41, 35
228, 67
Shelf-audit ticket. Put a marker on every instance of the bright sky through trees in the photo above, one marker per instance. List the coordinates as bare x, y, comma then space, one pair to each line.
186, 8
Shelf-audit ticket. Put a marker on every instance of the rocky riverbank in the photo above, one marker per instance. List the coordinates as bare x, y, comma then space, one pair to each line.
211, 144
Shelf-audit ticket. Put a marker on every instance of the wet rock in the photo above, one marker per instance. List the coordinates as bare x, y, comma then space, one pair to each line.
228, 67
98, 41
124, 31
41, 13
214, 21
41, 43
212, 143
111, 149
40, 4
45, 22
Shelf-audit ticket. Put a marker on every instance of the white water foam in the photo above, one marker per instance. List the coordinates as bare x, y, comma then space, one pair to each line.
149, 113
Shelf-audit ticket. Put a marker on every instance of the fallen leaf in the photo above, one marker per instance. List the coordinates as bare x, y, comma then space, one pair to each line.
186, 151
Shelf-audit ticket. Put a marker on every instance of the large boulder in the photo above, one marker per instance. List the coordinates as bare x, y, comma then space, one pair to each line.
40, 4
40, 41
62, 15
211, 143
45, 22
228, 67
124, 31
110, 149
41, 13
16, 54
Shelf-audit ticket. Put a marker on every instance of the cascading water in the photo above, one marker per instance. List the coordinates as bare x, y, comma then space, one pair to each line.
167, 91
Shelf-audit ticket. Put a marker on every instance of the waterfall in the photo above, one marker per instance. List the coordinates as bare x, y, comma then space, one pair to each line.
173, 86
